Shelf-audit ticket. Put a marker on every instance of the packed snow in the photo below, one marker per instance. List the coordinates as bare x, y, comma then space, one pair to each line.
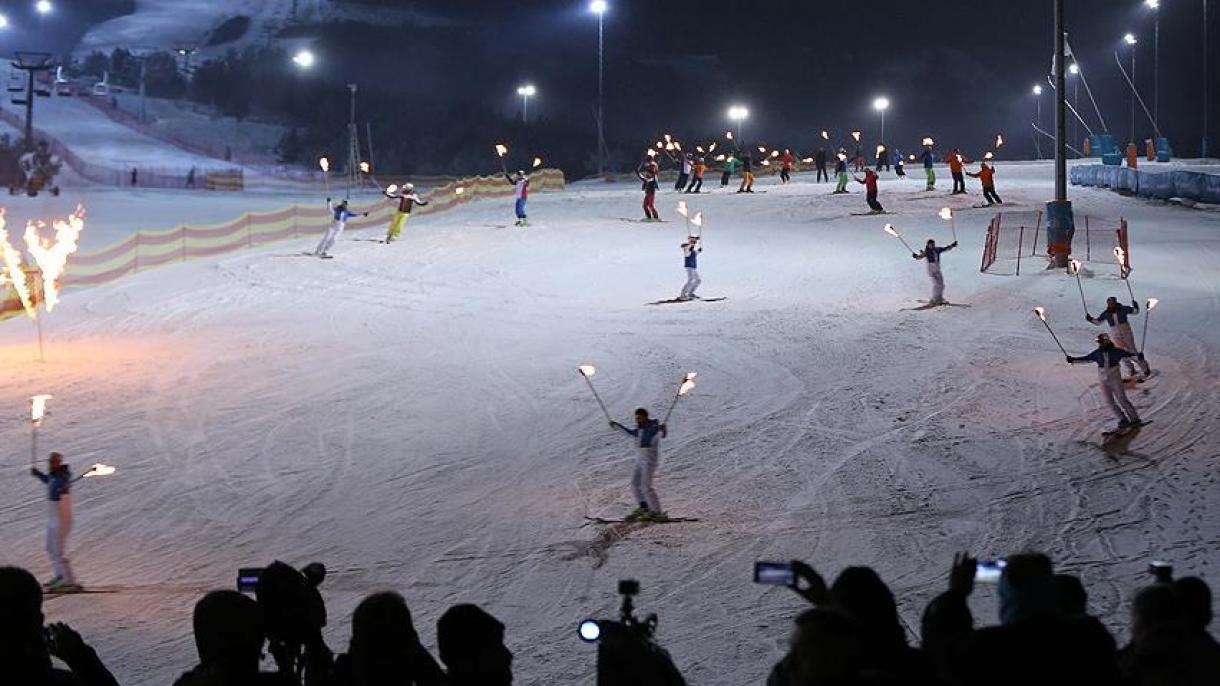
411, 416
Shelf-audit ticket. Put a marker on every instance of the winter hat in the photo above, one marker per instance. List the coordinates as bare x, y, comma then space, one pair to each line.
55, 460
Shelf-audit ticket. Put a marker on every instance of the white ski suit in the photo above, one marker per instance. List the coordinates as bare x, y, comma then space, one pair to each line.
1110, 381
646, 460
340, 214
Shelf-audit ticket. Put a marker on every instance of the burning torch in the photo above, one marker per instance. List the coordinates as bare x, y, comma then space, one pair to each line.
1041, 312
38, 410
889, 228
1074, 266
1152, 302
686, 386
947, 213
587, 371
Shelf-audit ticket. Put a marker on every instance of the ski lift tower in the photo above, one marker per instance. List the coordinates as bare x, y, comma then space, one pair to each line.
31, 63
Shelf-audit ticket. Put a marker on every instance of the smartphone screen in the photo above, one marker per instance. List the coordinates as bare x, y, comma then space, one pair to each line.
774, 573
247, 578
988, 572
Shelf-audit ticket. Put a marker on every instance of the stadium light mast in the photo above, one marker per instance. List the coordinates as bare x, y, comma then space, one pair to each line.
1131, 41
1060, 223
739, 114
1155, 6
599, 7
881, 105
526, 92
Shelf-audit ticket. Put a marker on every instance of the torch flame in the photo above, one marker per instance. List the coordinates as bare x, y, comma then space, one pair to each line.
98, 470
928, 141
501, 150
911, 157
652, 153
669, 146
889, 228
880, 149
1119, 254
587, 370
38, 407
719, 158
825, 136
1041, 312
762, 149
711, 148
459, 190
668, 138
699, 148
1074, 265
391, 189
999, 140
698, 220
682, 207
364, 167
842, 157
807, 160
856, 135
537, 162
688, 383
766, 163
946, 213
1152, 302
728, 135
53, 257
324, 164
15, 274
988, 155
677, 145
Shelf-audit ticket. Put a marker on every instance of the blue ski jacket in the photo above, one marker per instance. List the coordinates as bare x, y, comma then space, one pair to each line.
691, 259
1117, 316
928, 158
647, 434
1104, 358
59, 482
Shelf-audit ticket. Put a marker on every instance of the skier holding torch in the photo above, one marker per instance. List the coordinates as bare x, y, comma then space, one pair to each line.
931, 253
648, 433
59, 522
1116, 315
1108, 357
407, 199
340, 214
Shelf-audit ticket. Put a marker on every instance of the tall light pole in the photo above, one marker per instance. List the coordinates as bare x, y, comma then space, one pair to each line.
599, 8
738, 114
43, 7
1038, 102
1131, 40
1205, 58
526, 92
881, 105
1155, 6
1074, 70
1060, 222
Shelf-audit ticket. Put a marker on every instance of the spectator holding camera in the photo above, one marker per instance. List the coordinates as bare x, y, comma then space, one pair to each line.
26, 647
385, 648
229, 637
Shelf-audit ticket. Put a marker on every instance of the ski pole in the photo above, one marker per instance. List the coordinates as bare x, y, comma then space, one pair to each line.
1041, 312
1074, 265
889, 228
687, 384
1147, 310
587, 371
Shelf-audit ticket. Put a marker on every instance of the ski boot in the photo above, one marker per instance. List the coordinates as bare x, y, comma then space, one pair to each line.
636, 515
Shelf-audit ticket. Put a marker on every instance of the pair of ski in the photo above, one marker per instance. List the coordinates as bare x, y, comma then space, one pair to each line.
687, 300
667, 520
930, 305
1124, 430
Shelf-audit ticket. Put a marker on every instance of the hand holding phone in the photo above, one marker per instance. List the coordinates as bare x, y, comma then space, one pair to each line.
774, 574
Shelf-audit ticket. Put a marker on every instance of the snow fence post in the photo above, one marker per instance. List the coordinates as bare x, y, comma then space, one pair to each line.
1020, 242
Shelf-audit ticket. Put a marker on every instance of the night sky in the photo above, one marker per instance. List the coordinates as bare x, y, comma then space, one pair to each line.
956, 70
959, 71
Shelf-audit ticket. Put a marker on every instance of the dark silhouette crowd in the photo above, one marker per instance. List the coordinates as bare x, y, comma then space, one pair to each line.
852, 635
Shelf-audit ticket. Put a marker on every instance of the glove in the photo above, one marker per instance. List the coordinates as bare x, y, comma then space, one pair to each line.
953, 245
914, 256
1089, 318
1140, 356
1070, 359
33, 471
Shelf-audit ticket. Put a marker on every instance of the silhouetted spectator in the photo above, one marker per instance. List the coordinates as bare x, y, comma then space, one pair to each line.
1070, 596
947, 622
1195, 598
229, 638
135, 176
26, 647
826, 649
385, 648
471, 644
863, 596
1035, 643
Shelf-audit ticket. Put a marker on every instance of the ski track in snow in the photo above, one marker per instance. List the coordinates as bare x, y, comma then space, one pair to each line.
411, 416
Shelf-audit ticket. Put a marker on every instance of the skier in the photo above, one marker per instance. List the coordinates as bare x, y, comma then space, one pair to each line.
1116, 315
931, 253
730, 166
649, 432
59, 524
929, 158
899, 169
684, 172
1108, 358
819, 160
521, 194
690, 260
339, 214
407, 199
648, 183
786, 162
955, 168
870, 190
986, 176
841, 173
747, 173
696, 181
858, 160
883, 157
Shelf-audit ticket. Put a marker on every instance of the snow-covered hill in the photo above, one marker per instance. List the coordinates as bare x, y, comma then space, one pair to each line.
411, 416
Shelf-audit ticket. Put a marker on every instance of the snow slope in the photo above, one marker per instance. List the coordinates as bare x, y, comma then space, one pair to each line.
411, 416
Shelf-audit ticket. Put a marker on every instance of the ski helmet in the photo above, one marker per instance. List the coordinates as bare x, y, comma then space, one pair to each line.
408, 186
